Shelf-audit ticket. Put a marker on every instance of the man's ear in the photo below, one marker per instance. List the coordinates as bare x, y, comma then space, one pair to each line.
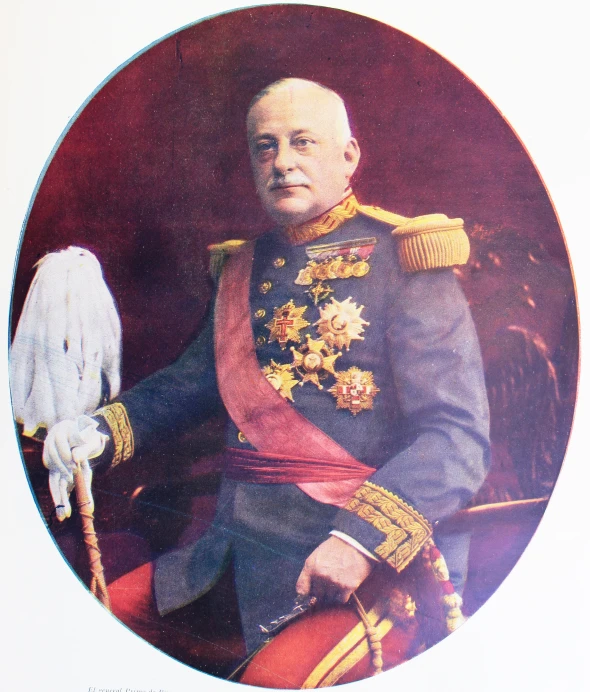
352, 155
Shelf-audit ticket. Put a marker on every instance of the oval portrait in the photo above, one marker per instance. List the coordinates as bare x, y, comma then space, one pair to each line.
294, 346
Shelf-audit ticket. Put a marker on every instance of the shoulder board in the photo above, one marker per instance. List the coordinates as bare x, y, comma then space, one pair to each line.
219, 252
431, 242
382, 215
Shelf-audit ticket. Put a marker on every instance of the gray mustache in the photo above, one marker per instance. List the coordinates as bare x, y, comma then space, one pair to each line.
284, 181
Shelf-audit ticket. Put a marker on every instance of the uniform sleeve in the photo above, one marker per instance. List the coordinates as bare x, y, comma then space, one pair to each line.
438, 374
182, 394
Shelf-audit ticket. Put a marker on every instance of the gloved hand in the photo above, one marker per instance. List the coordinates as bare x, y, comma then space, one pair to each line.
68, 446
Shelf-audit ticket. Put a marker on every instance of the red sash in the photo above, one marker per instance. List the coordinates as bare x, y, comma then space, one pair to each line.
268, 421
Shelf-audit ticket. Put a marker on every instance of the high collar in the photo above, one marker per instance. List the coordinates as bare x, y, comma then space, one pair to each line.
326, 223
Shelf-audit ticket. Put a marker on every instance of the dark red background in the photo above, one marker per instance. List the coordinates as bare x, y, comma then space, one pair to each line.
156, 165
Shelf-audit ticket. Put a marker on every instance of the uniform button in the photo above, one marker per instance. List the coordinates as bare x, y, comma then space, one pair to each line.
260, 341
259, 314
265, 287
279, 262
242, 437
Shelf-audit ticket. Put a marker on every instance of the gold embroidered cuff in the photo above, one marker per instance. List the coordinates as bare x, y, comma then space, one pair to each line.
121, 433
405, 529
431, 242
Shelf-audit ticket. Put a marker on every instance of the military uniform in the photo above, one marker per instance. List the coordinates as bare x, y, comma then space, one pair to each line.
370, 338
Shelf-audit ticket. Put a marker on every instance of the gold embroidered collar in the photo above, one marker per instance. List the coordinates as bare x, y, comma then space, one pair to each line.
324, 224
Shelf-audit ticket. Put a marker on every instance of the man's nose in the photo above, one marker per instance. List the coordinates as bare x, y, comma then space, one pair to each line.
284, 159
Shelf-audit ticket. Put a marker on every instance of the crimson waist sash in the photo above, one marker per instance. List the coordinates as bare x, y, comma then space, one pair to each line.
251, 466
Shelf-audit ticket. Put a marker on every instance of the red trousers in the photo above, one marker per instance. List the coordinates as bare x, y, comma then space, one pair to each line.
133, 602
204, 634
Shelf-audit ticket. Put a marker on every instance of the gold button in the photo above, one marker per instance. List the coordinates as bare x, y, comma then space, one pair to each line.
242, 437
260, 341
259, 314
279, 262
265, 287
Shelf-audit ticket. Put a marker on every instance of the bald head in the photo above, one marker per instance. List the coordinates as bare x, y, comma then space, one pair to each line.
302, 151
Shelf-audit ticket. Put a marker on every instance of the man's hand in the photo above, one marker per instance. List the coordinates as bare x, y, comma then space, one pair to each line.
68, 446
333, 571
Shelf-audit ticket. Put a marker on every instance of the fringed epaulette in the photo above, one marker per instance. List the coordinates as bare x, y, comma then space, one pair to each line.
424, 242
219, 253
431, 242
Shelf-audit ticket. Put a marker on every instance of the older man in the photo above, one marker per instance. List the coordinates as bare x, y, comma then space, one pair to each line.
344, 352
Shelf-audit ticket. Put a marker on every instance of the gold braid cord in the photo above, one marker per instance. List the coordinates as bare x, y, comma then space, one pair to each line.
97, 584
364, 639
121, 433
373, 635
405, 529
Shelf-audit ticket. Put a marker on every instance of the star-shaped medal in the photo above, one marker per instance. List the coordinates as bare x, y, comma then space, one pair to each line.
340, 323
286, 324
314, 361
354, 390
280, 378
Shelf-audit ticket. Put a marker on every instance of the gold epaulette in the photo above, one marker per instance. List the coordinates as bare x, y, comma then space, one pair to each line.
424, 242
219, 253
431, 242
382, 215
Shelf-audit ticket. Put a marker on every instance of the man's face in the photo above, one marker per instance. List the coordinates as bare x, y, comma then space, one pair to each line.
302, 165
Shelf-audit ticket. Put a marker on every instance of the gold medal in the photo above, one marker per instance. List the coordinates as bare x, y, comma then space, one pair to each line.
305, 276
354, 390
360, 269
286, 324
340, 323
344, 271
321, 271
333, 267
280, 378
314, 361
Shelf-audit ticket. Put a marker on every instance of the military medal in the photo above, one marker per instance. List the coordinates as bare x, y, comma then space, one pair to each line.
354, 390
286, 324
305, 276
335, 268
334, 261
340, 323
319, 292
314, 361
281, 378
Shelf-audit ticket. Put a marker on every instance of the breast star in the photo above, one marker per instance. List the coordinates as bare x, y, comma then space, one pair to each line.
314, 361
281, 378
341, 323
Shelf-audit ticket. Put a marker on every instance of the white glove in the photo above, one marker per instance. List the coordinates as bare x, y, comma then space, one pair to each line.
68, 446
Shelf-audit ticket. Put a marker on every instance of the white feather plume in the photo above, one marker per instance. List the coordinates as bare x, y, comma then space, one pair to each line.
67, 343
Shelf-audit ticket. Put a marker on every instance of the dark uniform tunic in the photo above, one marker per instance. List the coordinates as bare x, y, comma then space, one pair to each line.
426, 433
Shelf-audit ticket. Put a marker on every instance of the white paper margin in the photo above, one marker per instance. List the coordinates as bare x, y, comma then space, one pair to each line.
531, 60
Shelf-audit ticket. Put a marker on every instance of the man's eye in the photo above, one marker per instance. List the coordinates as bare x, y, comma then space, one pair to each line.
263, 147
304, 142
